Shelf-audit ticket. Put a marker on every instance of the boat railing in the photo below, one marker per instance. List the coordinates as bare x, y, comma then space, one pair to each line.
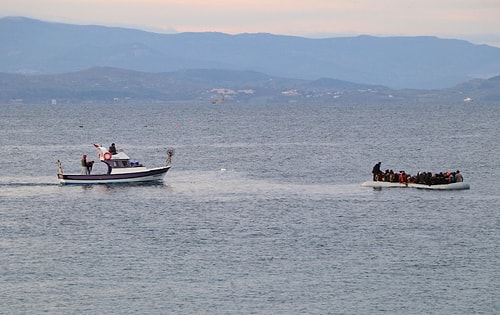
59, 165
170, 154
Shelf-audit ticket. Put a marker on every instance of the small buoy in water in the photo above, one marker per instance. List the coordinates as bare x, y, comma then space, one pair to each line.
222, 169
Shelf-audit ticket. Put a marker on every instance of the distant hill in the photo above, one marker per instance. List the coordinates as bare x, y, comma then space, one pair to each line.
35, 47
117, 86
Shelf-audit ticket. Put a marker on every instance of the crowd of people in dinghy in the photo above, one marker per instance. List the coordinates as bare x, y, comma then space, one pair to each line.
425, 178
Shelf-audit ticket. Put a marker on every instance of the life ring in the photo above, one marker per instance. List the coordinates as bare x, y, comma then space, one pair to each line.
107, 156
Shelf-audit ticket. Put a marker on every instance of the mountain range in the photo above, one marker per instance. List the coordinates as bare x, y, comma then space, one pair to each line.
43, 61
114, 85
37, 47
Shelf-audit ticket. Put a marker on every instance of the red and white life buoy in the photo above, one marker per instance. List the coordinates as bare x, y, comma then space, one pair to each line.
107, 156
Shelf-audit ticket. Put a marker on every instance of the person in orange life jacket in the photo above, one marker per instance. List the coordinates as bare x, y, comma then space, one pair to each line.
402, 177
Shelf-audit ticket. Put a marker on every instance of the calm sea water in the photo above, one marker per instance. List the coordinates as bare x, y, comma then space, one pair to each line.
261, 213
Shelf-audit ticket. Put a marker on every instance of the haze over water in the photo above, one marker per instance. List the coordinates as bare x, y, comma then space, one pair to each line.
262, 211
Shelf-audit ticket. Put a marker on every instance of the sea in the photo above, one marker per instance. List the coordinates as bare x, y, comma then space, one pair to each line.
262, 212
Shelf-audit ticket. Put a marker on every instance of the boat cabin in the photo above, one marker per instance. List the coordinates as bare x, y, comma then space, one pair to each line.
118, 160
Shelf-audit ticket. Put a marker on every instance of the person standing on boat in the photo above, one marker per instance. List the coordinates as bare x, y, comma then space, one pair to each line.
112, 149
458, 177
85, 170
89, 167
376, 171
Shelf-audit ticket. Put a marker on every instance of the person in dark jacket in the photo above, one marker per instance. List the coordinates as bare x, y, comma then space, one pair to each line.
376, 171
112, 149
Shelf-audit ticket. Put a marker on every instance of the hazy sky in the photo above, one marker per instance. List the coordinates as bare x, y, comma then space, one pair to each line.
477, 21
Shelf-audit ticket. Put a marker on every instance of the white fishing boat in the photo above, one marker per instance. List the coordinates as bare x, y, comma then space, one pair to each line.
450, 186
119, 170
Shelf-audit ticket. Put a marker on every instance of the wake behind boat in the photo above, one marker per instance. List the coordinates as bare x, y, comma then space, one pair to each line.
119, 170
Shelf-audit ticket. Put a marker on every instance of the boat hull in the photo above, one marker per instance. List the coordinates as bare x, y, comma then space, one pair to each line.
148, 175
451, 186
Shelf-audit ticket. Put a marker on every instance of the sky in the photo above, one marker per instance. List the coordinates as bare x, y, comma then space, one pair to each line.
477, 21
